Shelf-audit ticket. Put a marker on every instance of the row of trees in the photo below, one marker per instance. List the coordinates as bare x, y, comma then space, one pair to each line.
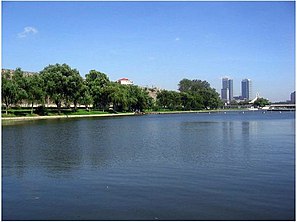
192, 95
64, 86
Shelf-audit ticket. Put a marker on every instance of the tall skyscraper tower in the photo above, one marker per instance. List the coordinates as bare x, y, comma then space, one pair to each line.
293, 97
230, 89
227, 89
246, 86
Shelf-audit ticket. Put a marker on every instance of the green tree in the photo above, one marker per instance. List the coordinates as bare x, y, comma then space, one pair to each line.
138, 98
14, 88
243, 103
20, 80
186, 85
35, 90
9, 91
163, 99
74, 88
210, 98
260, 102
85, 97
191, 101
126, 97
96, 82
207, 96
169, 99
59, 80
118, 96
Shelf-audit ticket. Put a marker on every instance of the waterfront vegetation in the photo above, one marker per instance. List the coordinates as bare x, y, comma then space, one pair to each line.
60, 90
23, 112
63, 86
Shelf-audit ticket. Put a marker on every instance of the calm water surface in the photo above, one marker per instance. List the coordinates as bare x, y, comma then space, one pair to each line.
234, 166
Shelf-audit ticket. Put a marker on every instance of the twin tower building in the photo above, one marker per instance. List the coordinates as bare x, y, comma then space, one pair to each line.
227, 90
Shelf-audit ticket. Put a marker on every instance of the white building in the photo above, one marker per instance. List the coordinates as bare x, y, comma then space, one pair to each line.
125, 81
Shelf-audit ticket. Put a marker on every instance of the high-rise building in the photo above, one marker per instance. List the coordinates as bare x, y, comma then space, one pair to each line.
227, 89
246, 86
230, 89
293, 98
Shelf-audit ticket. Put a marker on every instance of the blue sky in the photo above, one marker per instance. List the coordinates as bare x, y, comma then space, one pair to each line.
158, 43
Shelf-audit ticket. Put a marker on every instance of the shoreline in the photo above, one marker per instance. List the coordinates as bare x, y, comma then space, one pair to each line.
24, 118
27, 118
191, 111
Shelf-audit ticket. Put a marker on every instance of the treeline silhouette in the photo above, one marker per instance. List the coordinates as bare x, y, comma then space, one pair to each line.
63, 86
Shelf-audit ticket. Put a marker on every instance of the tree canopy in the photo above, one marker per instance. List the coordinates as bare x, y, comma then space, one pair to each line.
260, 102
96, 82
64, 86
9, 91
61, 84
199, 93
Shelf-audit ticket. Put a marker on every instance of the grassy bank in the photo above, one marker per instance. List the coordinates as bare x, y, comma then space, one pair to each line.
25, 114
24, 118
51, 112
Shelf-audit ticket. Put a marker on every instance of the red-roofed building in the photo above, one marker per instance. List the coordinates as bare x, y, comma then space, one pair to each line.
125, 81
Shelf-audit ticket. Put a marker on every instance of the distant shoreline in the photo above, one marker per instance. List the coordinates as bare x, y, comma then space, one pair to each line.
27, 118
24, 118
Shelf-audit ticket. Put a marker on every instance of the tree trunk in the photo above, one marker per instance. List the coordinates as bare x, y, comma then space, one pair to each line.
6, 105
75, 106
32, 108
59, 107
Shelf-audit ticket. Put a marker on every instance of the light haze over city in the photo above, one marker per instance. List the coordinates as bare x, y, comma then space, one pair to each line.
158, 43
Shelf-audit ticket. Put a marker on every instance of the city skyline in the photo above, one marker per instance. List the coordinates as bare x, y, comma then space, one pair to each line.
151, 44
246, 89
227, 94
227, 89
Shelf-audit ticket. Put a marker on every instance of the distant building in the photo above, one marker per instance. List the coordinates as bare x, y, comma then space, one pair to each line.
293, 98
230, 89
152, 91
246, 86
237, 98
227, 90
125, 81
11, 71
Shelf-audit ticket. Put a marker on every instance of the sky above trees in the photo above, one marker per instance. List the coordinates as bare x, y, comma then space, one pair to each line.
158, 43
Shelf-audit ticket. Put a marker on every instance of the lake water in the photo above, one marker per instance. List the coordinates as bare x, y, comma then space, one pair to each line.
233, 166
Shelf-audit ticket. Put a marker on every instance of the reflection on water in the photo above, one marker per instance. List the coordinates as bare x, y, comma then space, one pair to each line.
171, 167
59, 148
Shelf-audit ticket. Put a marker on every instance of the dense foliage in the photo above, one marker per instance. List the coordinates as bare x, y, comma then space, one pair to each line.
64, 87
260, 102
193, 95
62, 84
9, 91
